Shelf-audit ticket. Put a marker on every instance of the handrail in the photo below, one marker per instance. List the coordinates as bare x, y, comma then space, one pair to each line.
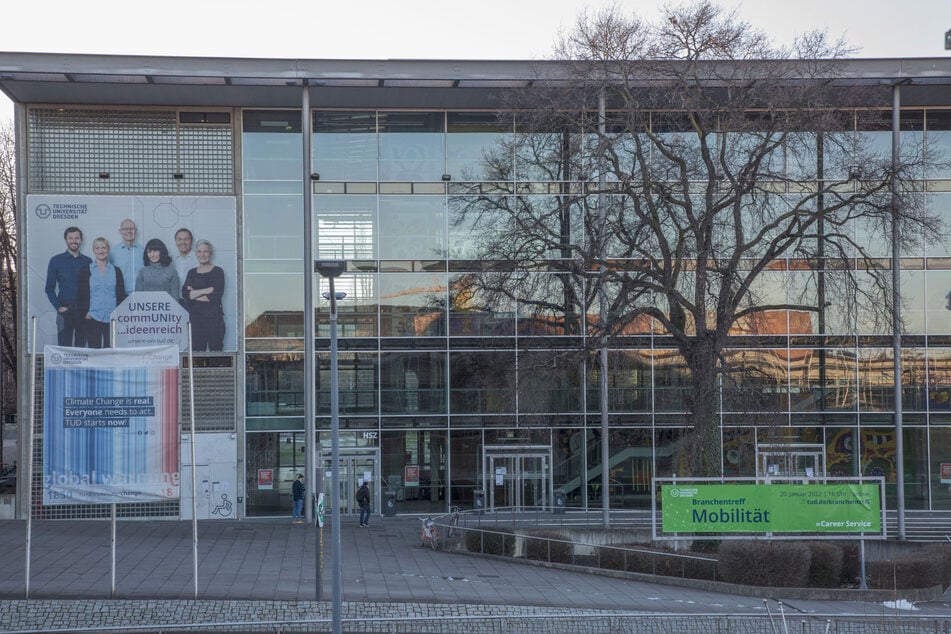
465, 527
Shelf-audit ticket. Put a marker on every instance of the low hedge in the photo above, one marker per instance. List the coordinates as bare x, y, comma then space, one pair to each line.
920, 571
498, 541
825, 568
548, 546
654, 562
777, 564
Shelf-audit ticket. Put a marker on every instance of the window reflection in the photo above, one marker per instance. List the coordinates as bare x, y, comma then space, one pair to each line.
412, 146
482, 382
345, 146
412, 227
274, 384
412, 304
476, 147
357, 376
413, 383
475, 311
346, 227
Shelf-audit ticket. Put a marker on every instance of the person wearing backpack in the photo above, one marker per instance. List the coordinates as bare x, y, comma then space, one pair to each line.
363, 499
297, 494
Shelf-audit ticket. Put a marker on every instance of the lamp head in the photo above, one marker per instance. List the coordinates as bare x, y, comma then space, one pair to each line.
330, 268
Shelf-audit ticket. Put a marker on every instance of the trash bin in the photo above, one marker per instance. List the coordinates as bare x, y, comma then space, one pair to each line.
558, 505
478, 502
389, 504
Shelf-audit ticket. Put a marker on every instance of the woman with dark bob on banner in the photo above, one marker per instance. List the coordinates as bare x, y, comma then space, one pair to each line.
157, 272
100, 288
201, 295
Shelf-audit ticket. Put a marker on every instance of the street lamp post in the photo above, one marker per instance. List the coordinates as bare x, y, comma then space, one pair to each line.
332, 269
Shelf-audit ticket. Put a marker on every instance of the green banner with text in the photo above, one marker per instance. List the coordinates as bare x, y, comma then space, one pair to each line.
776, 508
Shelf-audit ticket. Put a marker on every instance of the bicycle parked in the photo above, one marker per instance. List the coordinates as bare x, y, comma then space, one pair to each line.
454, 512
429, 533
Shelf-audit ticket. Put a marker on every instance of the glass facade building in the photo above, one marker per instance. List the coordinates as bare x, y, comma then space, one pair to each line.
446, 396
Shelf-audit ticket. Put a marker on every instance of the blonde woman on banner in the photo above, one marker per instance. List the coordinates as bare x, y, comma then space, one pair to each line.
100, 288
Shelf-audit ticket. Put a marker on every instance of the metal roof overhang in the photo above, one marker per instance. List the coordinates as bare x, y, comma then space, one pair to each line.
70, 79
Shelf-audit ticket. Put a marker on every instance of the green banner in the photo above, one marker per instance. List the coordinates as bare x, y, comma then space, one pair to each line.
776, 508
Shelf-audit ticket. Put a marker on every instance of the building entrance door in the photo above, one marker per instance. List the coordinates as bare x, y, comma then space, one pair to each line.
517, 477
790, 461
355, 467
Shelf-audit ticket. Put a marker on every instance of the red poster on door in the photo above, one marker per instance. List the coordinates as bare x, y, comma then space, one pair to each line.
411, 475
265, 479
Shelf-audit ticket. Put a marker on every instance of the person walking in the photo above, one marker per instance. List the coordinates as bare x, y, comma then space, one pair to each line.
363, 499
297, 494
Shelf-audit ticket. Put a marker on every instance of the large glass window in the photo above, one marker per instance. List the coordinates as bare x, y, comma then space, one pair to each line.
274, 384
756, 381
940, 479
357, 312
412, 146
549, 382
412, 304
475, 225
415, 469
358, 383
345, 146
475, 310
413, 383
941, 207
273, 305
938, 144
478, 146
482, 382
346, 227
273, 223
412, 227
549, 304
274, 460
629, 381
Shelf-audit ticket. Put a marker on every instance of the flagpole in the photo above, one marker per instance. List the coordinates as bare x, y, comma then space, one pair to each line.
191, 405
29, 462
112, 344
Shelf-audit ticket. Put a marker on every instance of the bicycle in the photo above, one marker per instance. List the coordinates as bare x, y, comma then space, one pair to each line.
454, 512
429, 533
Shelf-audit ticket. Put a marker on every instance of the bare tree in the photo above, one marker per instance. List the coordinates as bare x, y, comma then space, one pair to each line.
8, 256
719, 159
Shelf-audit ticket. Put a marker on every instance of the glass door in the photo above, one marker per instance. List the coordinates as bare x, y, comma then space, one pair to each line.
517, 478
355, 467
790, 461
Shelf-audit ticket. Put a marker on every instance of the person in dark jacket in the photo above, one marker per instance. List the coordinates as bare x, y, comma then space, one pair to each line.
297, 494
62, 279
201, 295
363, 499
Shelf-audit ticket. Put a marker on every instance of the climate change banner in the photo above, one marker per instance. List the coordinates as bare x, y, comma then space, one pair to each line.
776, 508
110, 425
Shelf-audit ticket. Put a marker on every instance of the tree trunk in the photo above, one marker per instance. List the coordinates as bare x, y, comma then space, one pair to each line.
701, 455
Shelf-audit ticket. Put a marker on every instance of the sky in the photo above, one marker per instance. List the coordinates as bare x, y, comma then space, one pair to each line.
421, 29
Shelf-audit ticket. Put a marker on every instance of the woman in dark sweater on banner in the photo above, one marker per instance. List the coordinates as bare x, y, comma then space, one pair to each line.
100, 288
157, 272
201, 294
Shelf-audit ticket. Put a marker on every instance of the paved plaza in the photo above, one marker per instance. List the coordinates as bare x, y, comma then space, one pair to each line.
265, 569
